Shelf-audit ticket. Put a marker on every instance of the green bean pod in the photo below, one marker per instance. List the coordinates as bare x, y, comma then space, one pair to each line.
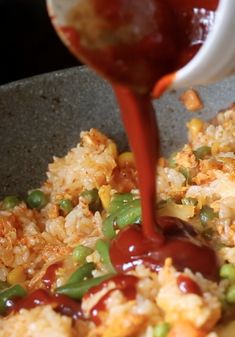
129, 214
85, 271
118, 200
103, 249
81, 252
78, 290
9, 293
108, 226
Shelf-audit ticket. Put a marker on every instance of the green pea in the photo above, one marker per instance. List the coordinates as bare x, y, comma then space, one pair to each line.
202, 152
37, 199
66, 205
78, 290
102, 248
228, 271
93, 199
230, 294
81, 273
9, 293
206, 214
189, 201
161, 330
10, 202
81, 252
118, 200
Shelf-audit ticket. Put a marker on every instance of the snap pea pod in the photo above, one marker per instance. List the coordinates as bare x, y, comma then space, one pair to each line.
9, 293
118, 200
85, 271
77, 290
103, 249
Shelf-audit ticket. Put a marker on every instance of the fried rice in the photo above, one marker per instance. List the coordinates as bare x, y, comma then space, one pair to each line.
196, 184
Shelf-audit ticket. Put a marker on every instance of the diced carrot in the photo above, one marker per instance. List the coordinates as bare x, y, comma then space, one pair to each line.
185, 329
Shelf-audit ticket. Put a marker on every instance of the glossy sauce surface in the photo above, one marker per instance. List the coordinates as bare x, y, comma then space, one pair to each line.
60, 303
130, 249
188, 286
134, 43
125, 283
49, 277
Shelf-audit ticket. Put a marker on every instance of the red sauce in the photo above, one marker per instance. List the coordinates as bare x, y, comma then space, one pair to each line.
188, 286
130, 249
60, 303
125, 283
135, 44
49, 277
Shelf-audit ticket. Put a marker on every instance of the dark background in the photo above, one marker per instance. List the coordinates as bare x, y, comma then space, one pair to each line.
28, 43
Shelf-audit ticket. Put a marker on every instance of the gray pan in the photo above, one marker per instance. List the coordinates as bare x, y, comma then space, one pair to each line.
43, 116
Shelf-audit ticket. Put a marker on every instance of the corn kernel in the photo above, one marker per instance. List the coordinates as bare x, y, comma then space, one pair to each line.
112, 148
191, 100
16, 275
226, 148
105, 196
215, 148
126, 159
195, 126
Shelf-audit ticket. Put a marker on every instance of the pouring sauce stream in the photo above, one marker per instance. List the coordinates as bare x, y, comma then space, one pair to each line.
134, 44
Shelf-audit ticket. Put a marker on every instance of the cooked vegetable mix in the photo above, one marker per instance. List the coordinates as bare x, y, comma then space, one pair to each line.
72, 256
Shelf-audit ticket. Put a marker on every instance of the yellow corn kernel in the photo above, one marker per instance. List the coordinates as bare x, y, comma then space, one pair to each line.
226, 148
215, 148
195, 126
16, 275
105, 195
126, 159
112, 148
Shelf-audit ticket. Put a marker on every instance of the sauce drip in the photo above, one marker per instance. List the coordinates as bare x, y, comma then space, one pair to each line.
188, 286
130, 249
60, 303
125, 283
50, 275
134, 44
